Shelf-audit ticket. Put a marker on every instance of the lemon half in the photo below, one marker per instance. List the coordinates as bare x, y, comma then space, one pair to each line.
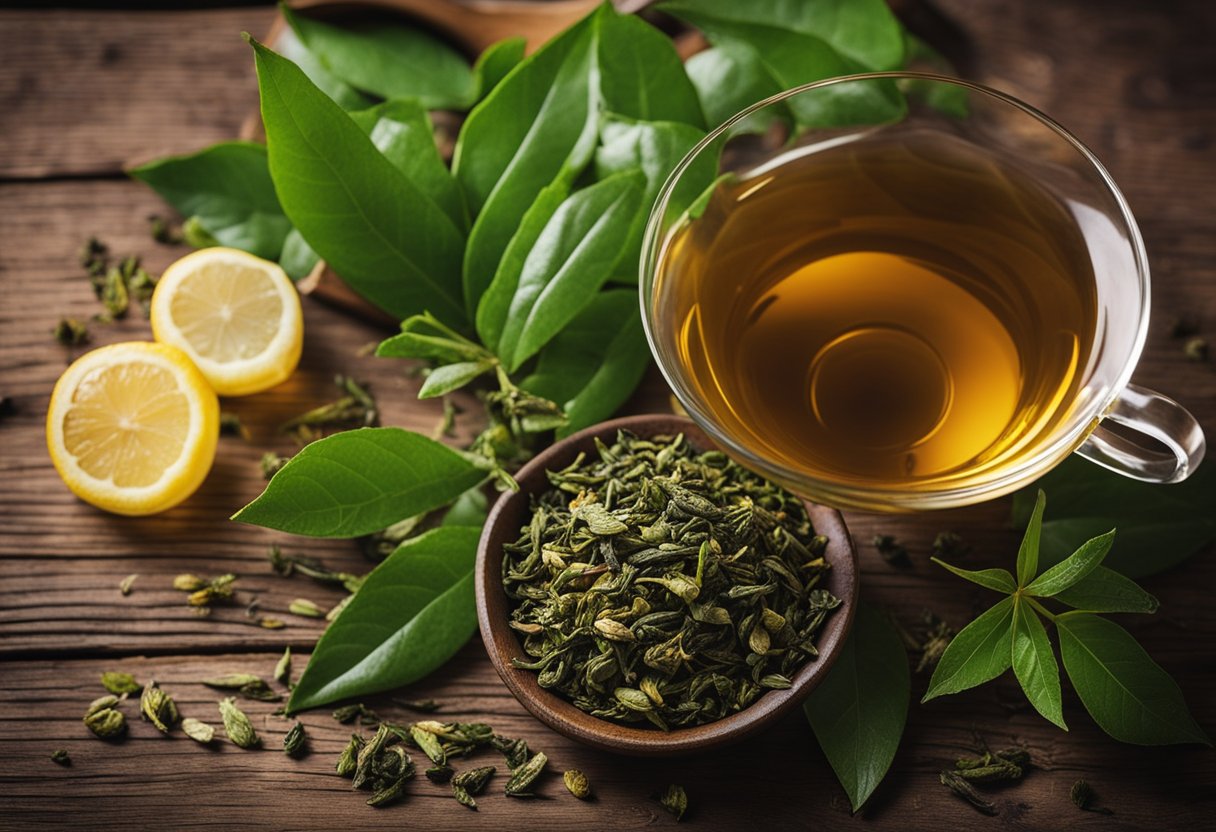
132, 427
237, 316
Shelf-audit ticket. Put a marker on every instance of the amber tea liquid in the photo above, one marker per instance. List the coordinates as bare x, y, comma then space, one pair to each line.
883, 312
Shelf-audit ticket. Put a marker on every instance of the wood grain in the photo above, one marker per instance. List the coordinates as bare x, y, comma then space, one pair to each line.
83, 92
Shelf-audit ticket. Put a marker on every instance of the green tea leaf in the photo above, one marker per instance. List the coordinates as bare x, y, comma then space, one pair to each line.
1126, 692
298, 259
730, 77
979, 653
538, 124
640, 74
1105, 590
858, 712
995, 579
424, 337
595, 362
1034, 664
402, 131
361, 481
495, 303
572, 258
228, 187
655, 148
864, 31
1073, 568
384, 57
412, 613
389, 241
451, 377
797, 43
495, 63
1159, 525
1028, 551
289, 45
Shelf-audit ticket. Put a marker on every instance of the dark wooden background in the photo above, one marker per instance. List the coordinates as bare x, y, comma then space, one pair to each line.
85, 92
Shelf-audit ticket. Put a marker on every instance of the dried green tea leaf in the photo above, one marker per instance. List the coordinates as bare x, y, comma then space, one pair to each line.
158, 707
675, 800
294, 740
237, 725
60, 757
523, 777
282, 670
577, 783
119, 683
198, 730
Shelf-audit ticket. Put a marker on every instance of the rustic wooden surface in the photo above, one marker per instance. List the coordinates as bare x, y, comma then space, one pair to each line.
84, 92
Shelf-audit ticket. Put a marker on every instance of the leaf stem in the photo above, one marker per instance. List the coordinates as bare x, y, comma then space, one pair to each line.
1042, 610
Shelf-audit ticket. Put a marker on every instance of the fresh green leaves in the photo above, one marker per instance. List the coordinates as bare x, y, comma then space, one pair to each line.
412, 613
389, 59
228, 188
537, 124
1129, 696
402, 131
640, 74
772, 45
590, 369
1159, 526
1034, 663
979, 653
1126, 692
360, 481
386, 237
858, 712
571, 259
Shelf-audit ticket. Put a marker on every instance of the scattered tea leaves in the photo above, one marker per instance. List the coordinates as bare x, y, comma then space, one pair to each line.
249, 685
282, 670
158, 707
272, 463
119, 683
305, 608
294, 740
71, 332
124, 586
674, 800
198, 730
426, 706
963, 788
237, 725
577, 783
61, 757
522, 778
1082, 796
471, 782
104, 719
348, 713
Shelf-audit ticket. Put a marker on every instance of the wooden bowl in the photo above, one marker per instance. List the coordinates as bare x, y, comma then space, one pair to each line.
511, 512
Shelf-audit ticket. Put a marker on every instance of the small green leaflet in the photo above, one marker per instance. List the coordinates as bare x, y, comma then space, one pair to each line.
422, 336
402, 131
412, 613
228, 187
1072, 569
361, 481
729, 77
1159, 525
998, 580
390, 242
449, 377
979, 653
1034, 664
571, 259
858, 712
1028, 552
1126, 692
593, 365
1105, 590
384, 57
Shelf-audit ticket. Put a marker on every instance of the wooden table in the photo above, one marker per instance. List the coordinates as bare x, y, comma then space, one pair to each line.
82, 93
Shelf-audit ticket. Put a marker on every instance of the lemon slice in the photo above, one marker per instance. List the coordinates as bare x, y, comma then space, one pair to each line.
132, 427
237, 316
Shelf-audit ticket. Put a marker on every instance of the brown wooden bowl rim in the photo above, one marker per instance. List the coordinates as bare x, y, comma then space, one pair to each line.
509, 513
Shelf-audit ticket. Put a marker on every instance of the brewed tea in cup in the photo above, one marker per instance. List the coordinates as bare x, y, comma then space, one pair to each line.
927, 310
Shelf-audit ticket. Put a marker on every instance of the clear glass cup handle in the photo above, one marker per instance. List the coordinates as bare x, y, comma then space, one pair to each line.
1158, 417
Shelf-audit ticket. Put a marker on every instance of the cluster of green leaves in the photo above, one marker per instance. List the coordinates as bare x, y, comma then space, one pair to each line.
1130, 697
515, 264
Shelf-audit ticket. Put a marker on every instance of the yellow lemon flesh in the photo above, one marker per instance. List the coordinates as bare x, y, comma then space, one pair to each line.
237, 316
132, 427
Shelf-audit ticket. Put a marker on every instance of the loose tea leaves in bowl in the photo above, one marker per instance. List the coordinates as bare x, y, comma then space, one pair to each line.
664, 584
